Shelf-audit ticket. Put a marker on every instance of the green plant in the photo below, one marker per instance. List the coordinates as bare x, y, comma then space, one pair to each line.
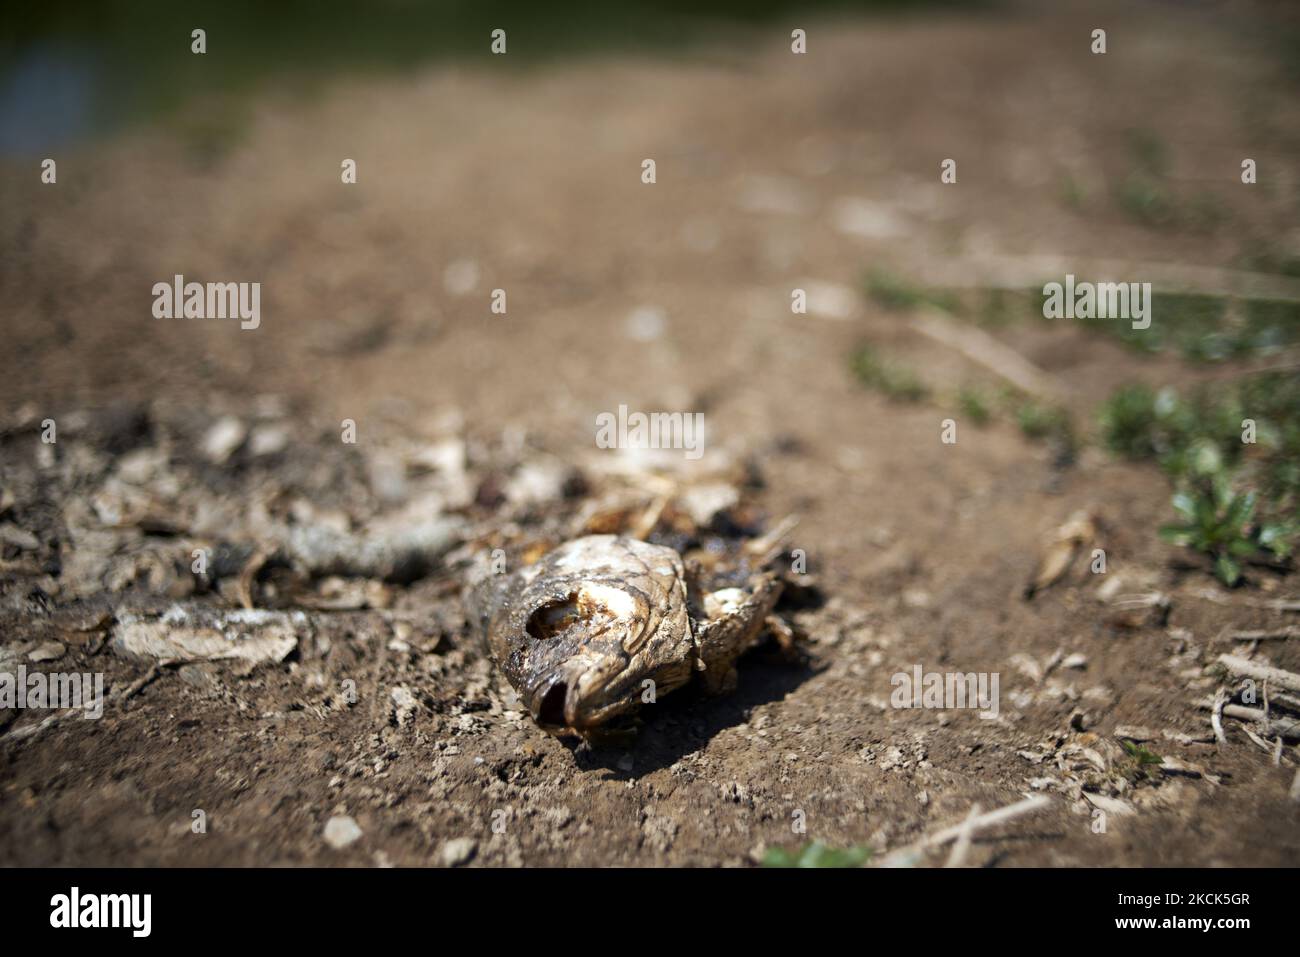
1273, 402
894, 380
1039, 420
1236, 498
1219, 522
1140, 754
1149, 152
1130, 422
894, 292
1261, 257
994, 308
1145, 761
1147, 200
974, 406
816, 854
1206, 327
1141, 424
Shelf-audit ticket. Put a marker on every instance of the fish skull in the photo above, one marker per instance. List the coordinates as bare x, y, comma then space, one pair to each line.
581, 632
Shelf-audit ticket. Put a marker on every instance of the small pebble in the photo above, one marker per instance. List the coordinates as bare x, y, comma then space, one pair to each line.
340, 831
646, 324
47, 651
458, 851
223, 438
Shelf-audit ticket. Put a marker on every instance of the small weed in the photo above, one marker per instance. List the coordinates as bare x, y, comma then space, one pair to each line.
1262, 258
895, 293
1141, 424
816, 854
1146, 200
1206, 328
896, 381
1144, 760
1273, 401
1235, 500
974, 406
1146, 195
1219, 521
1131, 424
1039, 420
1149, 151
1193, 324
1180, 432
1001, 307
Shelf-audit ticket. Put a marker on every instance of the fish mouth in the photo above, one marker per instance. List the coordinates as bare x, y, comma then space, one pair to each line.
550, 710
563, 701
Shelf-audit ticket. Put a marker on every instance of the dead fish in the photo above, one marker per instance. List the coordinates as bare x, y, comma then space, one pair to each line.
605, 623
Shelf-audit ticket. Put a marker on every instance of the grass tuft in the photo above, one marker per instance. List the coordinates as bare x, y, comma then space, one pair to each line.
816, 854
896, 381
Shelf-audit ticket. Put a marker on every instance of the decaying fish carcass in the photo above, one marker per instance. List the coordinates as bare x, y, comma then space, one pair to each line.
604, 623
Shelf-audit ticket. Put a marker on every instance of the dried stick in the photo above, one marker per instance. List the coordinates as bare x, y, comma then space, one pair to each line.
1278, 635
980, 347
1010, 812
961, 847
1216, 716
1286, 728
1261, 671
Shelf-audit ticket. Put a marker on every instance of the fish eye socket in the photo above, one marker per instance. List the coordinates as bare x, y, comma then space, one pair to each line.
594, 607
553, 617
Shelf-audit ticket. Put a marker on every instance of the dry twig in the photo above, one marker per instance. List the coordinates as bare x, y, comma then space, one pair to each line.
1261, 671
906, 854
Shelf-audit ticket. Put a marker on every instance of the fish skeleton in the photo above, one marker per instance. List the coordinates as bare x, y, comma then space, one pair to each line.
603, 624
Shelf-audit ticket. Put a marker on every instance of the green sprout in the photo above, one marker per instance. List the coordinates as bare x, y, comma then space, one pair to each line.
974, 405
816, 854
1219, 522
896, 381
1145, 761
898, 294
1140, 754
1040, 420
1131, 423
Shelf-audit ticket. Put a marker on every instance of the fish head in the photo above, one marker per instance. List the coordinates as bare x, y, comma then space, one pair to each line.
594, 629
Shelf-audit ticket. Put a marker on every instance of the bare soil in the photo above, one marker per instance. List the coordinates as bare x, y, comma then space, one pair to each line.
773, 172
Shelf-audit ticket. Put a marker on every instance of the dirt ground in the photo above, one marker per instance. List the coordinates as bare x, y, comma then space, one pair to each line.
774, 172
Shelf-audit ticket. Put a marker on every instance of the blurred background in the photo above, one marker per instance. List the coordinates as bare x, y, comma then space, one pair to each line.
74, 69
776, 172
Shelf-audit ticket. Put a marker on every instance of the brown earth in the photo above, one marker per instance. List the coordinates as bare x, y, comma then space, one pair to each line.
773, 172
